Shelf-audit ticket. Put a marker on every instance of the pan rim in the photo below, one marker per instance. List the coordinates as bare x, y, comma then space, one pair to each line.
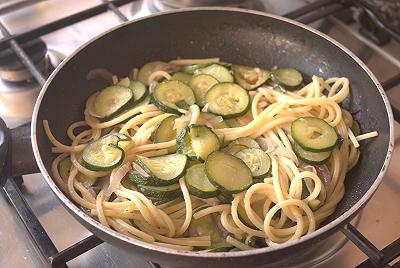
345, 217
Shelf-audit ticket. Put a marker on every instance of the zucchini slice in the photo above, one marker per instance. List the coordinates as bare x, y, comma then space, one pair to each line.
207, 225
257, 206
314, 134
246, 141
249, 77
314, 204
234, 148
257, 160
208, 116
312, 158
190, 69
197, 142
112, 100
146, 71
167, 93
217, 71
290, 78
64, 167
228, 100
161, 192
227, 172
104, 154
198, 183
200, 84
165, 130
128, 183
180, 76
163, 170
139, 90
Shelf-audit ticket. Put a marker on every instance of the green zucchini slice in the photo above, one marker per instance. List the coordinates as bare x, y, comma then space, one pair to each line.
250, 77
207, 226
257, 160
314, 134
139, 90
246, 141
180, 76
198, 183
228, 100
290, 78
312, 158
163, 170
168, 93
146, 70
112, 101
197, 142
217, 71
227, 172
200, 84
257, 206
161, 192
165, 130
104, 154
64, 167
190, 69
233, 148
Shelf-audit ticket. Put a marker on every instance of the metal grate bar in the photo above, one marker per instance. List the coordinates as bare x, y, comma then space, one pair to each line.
309, 8
23, 56
390, 252
326, 11
75, 250
391, 82
117, 12
35, 229
61, 23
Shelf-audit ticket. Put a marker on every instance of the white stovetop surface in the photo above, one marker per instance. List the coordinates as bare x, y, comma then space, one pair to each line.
379, 222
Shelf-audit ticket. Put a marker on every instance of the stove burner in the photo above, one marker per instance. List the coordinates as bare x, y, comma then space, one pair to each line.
18, 95
13, 70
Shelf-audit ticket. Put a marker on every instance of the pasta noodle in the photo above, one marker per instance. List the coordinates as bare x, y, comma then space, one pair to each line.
286, 212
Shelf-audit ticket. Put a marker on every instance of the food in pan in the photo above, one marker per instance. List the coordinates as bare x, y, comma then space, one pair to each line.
211, 156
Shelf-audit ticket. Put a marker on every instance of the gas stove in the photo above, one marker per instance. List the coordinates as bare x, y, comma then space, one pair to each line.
56, 28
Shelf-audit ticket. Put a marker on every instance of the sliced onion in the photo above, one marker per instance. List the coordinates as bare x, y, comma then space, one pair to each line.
116, 176
205, 108
100, 73
124, 82
324, 174
167, 67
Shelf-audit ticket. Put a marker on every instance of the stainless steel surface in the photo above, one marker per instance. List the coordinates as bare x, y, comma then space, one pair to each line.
378, 221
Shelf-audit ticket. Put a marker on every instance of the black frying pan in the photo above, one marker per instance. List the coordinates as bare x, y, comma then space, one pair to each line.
238, 36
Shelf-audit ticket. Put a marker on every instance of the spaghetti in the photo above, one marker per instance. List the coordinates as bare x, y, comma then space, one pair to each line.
290, 201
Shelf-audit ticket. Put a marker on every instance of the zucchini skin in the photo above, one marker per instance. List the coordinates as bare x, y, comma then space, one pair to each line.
296, 134
183, 141
233, 115
150, 192
215, 181
152, 181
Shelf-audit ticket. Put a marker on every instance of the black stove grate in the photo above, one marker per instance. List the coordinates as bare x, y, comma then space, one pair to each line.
11, 186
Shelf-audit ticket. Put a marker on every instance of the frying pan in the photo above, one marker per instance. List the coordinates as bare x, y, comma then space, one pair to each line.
234, 35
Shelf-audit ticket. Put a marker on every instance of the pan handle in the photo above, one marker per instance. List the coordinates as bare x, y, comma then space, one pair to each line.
16, 153
363, 244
